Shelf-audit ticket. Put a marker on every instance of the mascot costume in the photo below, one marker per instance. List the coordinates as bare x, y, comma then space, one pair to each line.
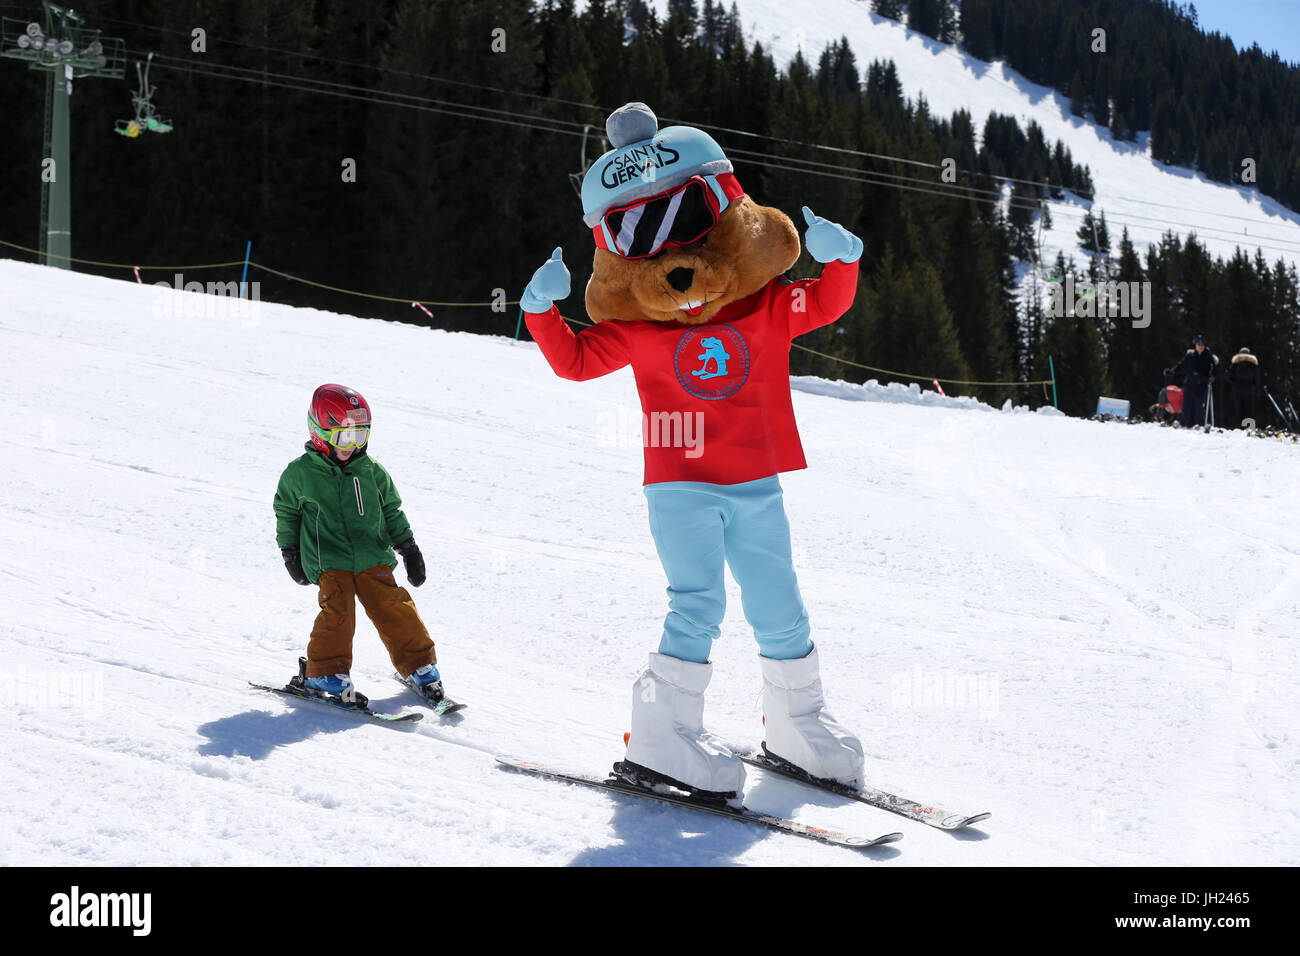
687, 288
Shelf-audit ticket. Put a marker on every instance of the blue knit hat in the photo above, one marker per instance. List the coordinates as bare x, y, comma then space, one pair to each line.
646, 160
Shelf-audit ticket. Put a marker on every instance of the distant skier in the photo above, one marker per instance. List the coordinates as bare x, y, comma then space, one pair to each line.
338, 519
1199, 366
1243, 375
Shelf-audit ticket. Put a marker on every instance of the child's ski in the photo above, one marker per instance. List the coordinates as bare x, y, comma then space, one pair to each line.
744, 814
288, 690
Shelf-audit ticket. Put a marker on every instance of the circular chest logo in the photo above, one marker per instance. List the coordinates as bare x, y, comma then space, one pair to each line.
712, 362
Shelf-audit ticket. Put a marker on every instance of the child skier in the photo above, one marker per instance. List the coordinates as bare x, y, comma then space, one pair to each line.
338, 519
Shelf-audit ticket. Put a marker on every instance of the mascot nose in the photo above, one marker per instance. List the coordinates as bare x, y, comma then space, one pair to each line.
681, 279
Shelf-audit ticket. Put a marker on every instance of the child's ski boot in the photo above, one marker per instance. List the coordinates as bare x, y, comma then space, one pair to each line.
337, 686
427, 682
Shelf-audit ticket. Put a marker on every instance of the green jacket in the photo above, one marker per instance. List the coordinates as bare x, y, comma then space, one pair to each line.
341, 517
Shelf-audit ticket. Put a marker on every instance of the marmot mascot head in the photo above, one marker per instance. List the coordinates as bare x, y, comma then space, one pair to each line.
676, 236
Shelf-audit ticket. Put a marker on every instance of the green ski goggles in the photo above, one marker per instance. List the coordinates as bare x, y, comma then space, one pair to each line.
345, 436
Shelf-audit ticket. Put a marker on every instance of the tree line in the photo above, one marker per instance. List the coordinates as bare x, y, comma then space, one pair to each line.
443, 207
1206, 103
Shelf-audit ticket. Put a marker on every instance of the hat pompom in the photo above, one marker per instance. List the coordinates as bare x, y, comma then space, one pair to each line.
629, 124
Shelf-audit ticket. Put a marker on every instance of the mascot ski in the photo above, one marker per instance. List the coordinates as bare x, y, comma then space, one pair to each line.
687, 288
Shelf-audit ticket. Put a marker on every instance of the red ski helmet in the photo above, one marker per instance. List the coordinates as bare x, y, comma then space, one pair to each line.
339, 418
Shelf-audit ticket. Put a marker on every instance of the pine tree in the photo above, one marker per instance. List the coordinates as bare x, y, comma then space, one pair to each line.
1133, 352
1166, 144
1119, 127
893, 9
1078, 358
976, 24
1094, 240
916, 332
978, 299
934, 18
1078, 97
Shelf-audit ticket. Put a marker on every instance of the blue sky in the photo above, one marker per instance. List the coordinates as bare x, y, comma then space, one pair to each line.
1273, 24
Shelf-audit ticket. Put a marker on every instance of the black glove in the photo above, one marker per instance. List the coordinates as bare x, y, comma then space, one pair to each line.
1168, 372
293, 564
413, 561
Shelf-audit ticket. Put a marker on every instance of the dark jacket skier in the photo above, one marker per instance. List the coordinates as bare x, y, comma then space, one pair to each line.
1199, 366
1243, 374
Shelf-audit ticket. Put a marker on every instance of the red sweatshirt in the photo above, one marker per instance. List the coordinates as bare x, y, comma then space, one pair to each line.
715, 398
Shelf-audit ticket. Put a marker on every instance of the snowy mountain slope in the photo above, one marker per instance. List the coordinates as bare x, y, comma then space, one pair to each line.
1011, 609
1134, 191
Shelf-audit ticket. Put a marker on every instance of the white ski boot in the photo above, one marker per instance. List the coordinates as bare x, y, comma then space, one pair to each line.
798, 727
668, 742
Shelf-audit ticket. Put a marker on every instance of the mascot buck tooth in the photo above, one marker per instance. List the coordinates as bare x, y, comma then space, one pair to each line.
687, 288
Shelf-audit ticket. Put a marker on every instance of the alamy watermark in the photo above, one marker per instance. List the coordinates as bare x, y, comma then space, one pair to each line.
75, 909
47, 690
240, 301
1109, 299
923, 689
624, 428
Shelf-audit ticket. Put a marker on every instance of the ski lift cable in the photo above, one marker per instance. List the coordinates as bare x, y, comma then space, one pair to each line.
602, 110
955, 187
858, 175
1033, 205
324, 86
853, 174
605, 110
261, 75
421, 106
596, 107
241, 72
380, 97
1220, 235
863, 177
368, 66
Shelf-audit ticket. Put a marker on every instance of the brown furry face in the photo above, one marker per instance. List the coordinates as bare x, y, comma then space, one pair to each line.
750, 246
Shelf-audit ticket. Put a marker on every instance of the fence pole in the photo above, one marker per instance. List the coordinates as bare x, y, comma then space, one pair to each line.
243, 280
1052, 369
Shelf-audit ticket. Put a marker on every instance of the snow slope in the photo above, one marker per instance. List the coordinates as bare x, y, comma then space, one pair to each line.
1011, 611
1147, 197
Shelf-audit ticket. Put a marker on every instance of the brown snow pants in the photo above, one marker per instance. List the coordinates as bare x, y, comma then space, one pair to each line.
390, 609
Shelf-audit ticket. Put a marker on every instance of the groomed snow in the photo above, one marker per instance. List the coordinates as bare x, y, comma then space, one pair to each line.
1147, 197
1086, 629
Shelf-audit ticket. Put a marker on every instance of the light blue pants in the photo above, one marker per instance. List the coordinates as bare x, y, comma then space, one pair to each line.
697, 527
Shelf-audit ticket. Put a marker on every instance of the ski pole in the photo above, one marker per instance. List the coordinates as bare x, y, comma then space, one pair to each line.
1286, 422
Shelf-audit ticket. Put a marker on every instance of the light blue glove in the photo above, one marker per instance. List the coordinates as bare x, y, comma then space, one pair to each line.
826, 240
549, 283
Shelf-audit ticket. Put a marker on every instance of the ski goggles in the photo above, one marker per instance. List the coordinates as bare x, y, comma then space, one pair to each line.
345, 436
675, 217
